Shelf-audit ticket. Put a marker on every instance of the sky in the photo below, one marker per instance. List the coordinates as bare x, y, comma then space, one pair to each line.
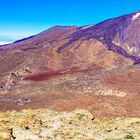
23, 18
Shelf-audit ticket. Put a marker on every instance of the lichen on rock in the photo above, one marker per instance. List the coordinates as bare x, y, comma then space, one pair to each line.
44, 124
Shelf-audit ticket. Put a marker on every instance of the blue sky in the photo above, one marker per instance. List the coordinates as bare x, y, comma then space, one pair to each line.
23, 18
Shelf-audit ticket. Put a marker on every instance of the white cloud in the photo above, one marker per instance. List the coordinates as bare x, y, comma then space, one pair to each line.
3, 43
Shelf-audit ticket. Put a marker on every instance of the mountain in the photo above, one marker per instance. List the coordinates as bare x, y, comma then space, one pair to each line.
66, 67
120, 35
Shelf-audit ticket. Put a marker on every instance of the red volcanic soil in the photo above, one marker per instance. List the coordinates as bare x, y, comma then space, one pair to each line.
53, 74
128, 81
67, 95
99, 106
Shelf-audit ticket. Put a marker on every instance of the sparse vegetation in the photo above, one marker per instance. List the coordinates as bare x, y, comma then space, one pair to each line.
45, 124
112, 139
129, 137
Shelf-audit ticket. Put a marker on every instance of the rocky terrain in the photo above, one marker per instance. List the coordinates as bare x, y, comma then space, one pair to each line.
45, 124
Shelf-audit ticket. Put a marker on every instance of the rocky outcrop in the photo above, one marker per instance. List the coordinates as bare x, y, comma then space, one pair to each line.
79, 124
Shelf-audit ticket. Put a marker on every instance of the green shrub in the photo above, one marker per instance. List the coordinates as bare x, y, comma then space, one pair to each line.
112, 139
129, 137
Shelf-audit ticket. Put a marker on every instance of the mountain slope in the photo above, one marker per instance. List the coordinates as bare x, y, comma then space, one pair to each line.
120, 35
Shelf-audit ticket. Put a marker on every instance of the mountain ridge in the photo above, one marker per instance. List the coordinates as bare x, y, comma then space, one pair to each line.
107, 32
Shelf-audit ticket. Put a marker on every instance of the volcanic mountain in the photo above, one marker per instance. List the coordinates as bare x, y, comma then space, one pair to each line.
95, 67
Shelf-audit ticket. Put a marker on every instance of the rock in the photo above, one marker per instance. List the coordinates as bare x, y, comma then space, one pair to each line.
22, 101
20, 134
4, 135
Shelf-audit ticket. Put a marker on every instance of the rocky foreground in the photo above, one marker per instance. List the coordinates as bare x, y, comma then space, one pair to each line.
45, 124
